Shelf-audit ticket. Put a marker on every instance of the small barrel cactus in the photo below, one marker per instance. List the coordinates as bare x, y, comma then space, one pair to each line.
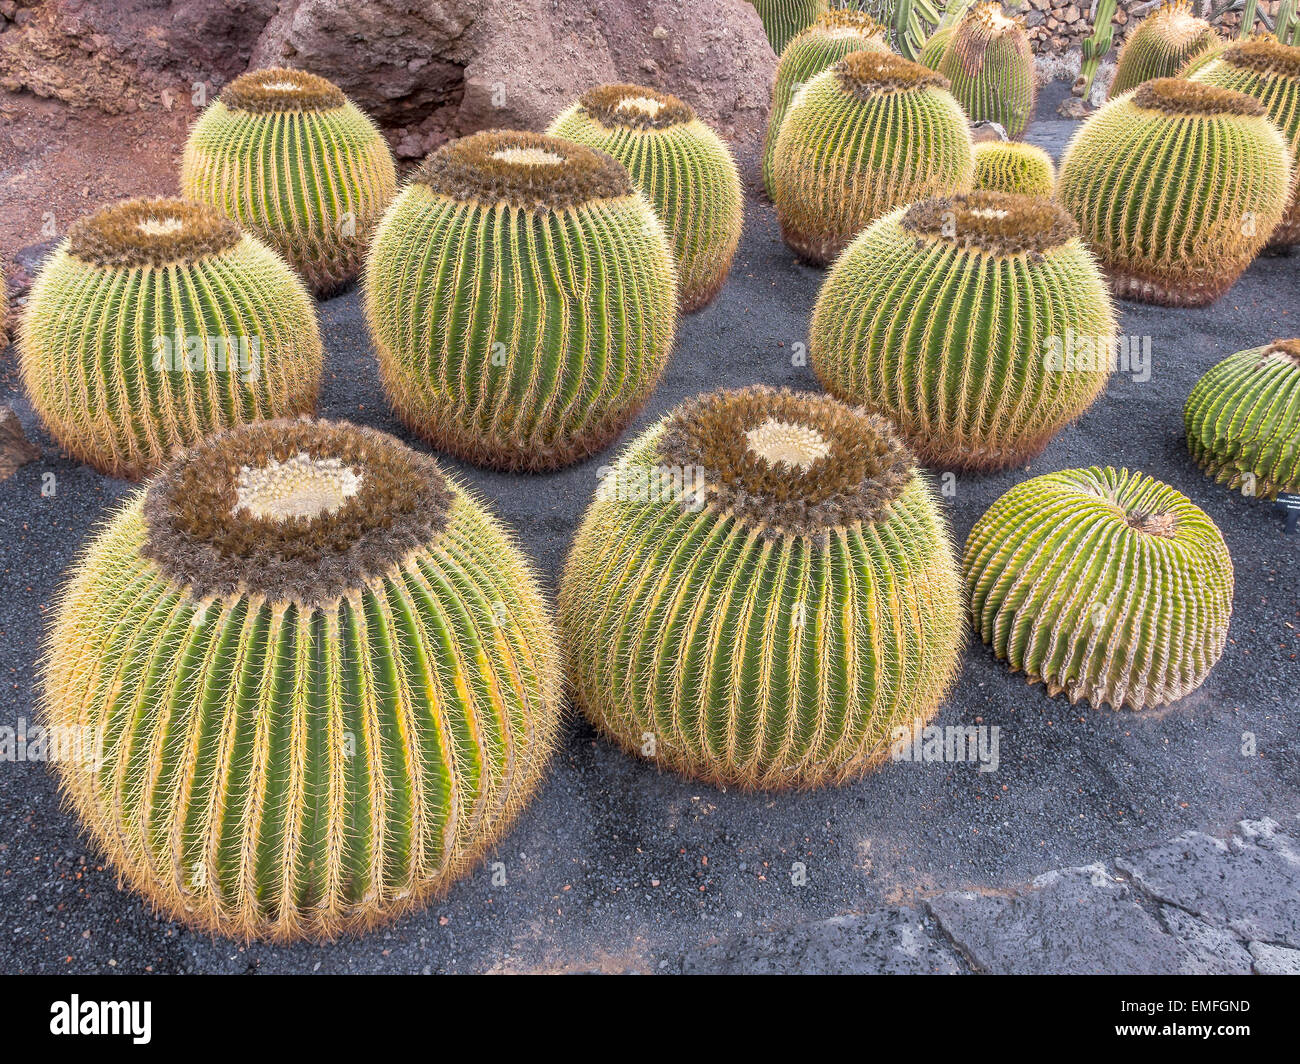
681, 166
990, 66
783, 20
763, 593
294, 161
1161, 45
1013, 166
872, 133
1243, 420
156, 323
935, 45
823, 44
522, 296
317, 680
1176, 186
1102, 583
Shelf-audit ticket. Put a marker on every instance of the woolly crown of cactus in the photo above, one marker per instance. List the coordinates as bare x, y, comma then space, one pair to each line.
277, 90
990, 65
783, 20
1013, 166
1161, 45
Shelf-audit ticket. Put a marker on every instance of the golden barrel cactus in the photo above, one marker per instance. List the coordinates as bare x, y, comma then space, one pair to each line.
1161, 45
989, 64
1013, 166
783, 20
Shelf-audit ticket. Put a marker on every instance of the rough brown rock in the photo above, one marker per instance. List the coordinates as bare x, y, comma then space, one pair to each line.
16, 449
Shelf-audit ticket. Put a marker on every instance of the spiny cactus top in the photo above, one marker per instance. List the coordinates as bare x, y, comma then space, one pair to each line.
522, 298
1161, 45
1243, 420
1176, 186
872, 133
1102, 583
318, 680
762, 593
989, 63
155, 323
290, 158
783, 20
683, 168
1013, 166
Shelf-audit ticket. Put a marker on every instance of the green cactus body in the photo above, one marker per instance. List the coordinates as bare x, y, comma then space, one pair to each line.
1102, 583
990, 66
936, 44
156, 323
1013, 166
979, 324
316, 681
681, 166
872, 133
1161, 45
522, 297
1243, 420
1176, 186
763, 593
834, 35
291, 159
783, 20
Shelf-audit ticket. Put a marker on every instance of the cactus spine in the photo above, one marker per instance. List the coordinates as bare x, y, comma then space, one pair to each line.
990, 66
783, 20
937, 43
1012, 166
1161, 45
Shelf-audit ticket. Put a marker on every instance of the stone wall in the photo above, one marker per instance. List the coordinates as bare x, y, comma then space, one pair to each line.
1056, 26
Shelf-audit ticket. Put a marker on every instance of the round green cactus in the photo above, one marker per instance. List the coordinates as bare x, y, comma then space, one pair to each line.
1176, 186
1102, 583
1161, 45
681, 166
935, 45
522, 296
291, 159
834, 35
763, 593
783, 20
316, 681
1243, 420
979, 324
157, 323
990, 66
1013, 166
872, 133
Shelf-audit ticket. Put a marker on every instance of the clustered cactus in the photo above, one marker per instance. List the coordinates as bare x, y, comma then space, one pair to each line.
1161, 45
1243, 420
321, 676
783, 20
988, 61
290, 158
1102, 583
1013, 166
682, 167
156, 323
762, 593
522, 298
872, 133
1176, 186
979, 324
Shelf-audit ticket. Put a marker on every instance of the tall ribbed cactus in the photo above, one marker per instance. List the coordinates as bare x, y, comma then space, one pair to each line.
1013, 166
990, 66
783, 20
979, 324
317, 678
1243, 420
1176, 186
681, 166
293, 160
1161, 45
522, 297
1102, 583
156, 323
762, 593
870, 134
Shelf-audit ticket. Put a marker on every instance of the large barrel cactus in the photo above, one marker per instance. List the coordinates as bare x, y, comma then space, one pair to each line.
872, 133
1102, 583
990, 66
979, 324
681, 166
1161, 45
763, 593
783, 20
293, 160
155, 323
522, 296
1243, 420
1013, 166
319, 680
1176, 186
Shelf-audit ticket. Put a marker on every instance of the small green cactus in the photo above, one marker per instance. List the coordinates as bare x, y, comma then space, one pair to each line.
783, 20
872, 133
522, 297
291, 159
1161, 45
1013, 166
1102, 583
763, 593
682, 167
990, 66
156, 323
318, 680
936, 44
1243, 420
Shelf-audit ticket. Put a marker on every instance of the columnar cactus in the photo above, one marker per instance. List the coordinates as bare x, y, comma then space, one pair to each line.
1102, 583
294, 161
1161, 45
1176, 186
783, 20
979, 324
522, 298
990, 66
1013, 166
682, 167
763, 593
317, 679
872, 133
1243, 420
155, 323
